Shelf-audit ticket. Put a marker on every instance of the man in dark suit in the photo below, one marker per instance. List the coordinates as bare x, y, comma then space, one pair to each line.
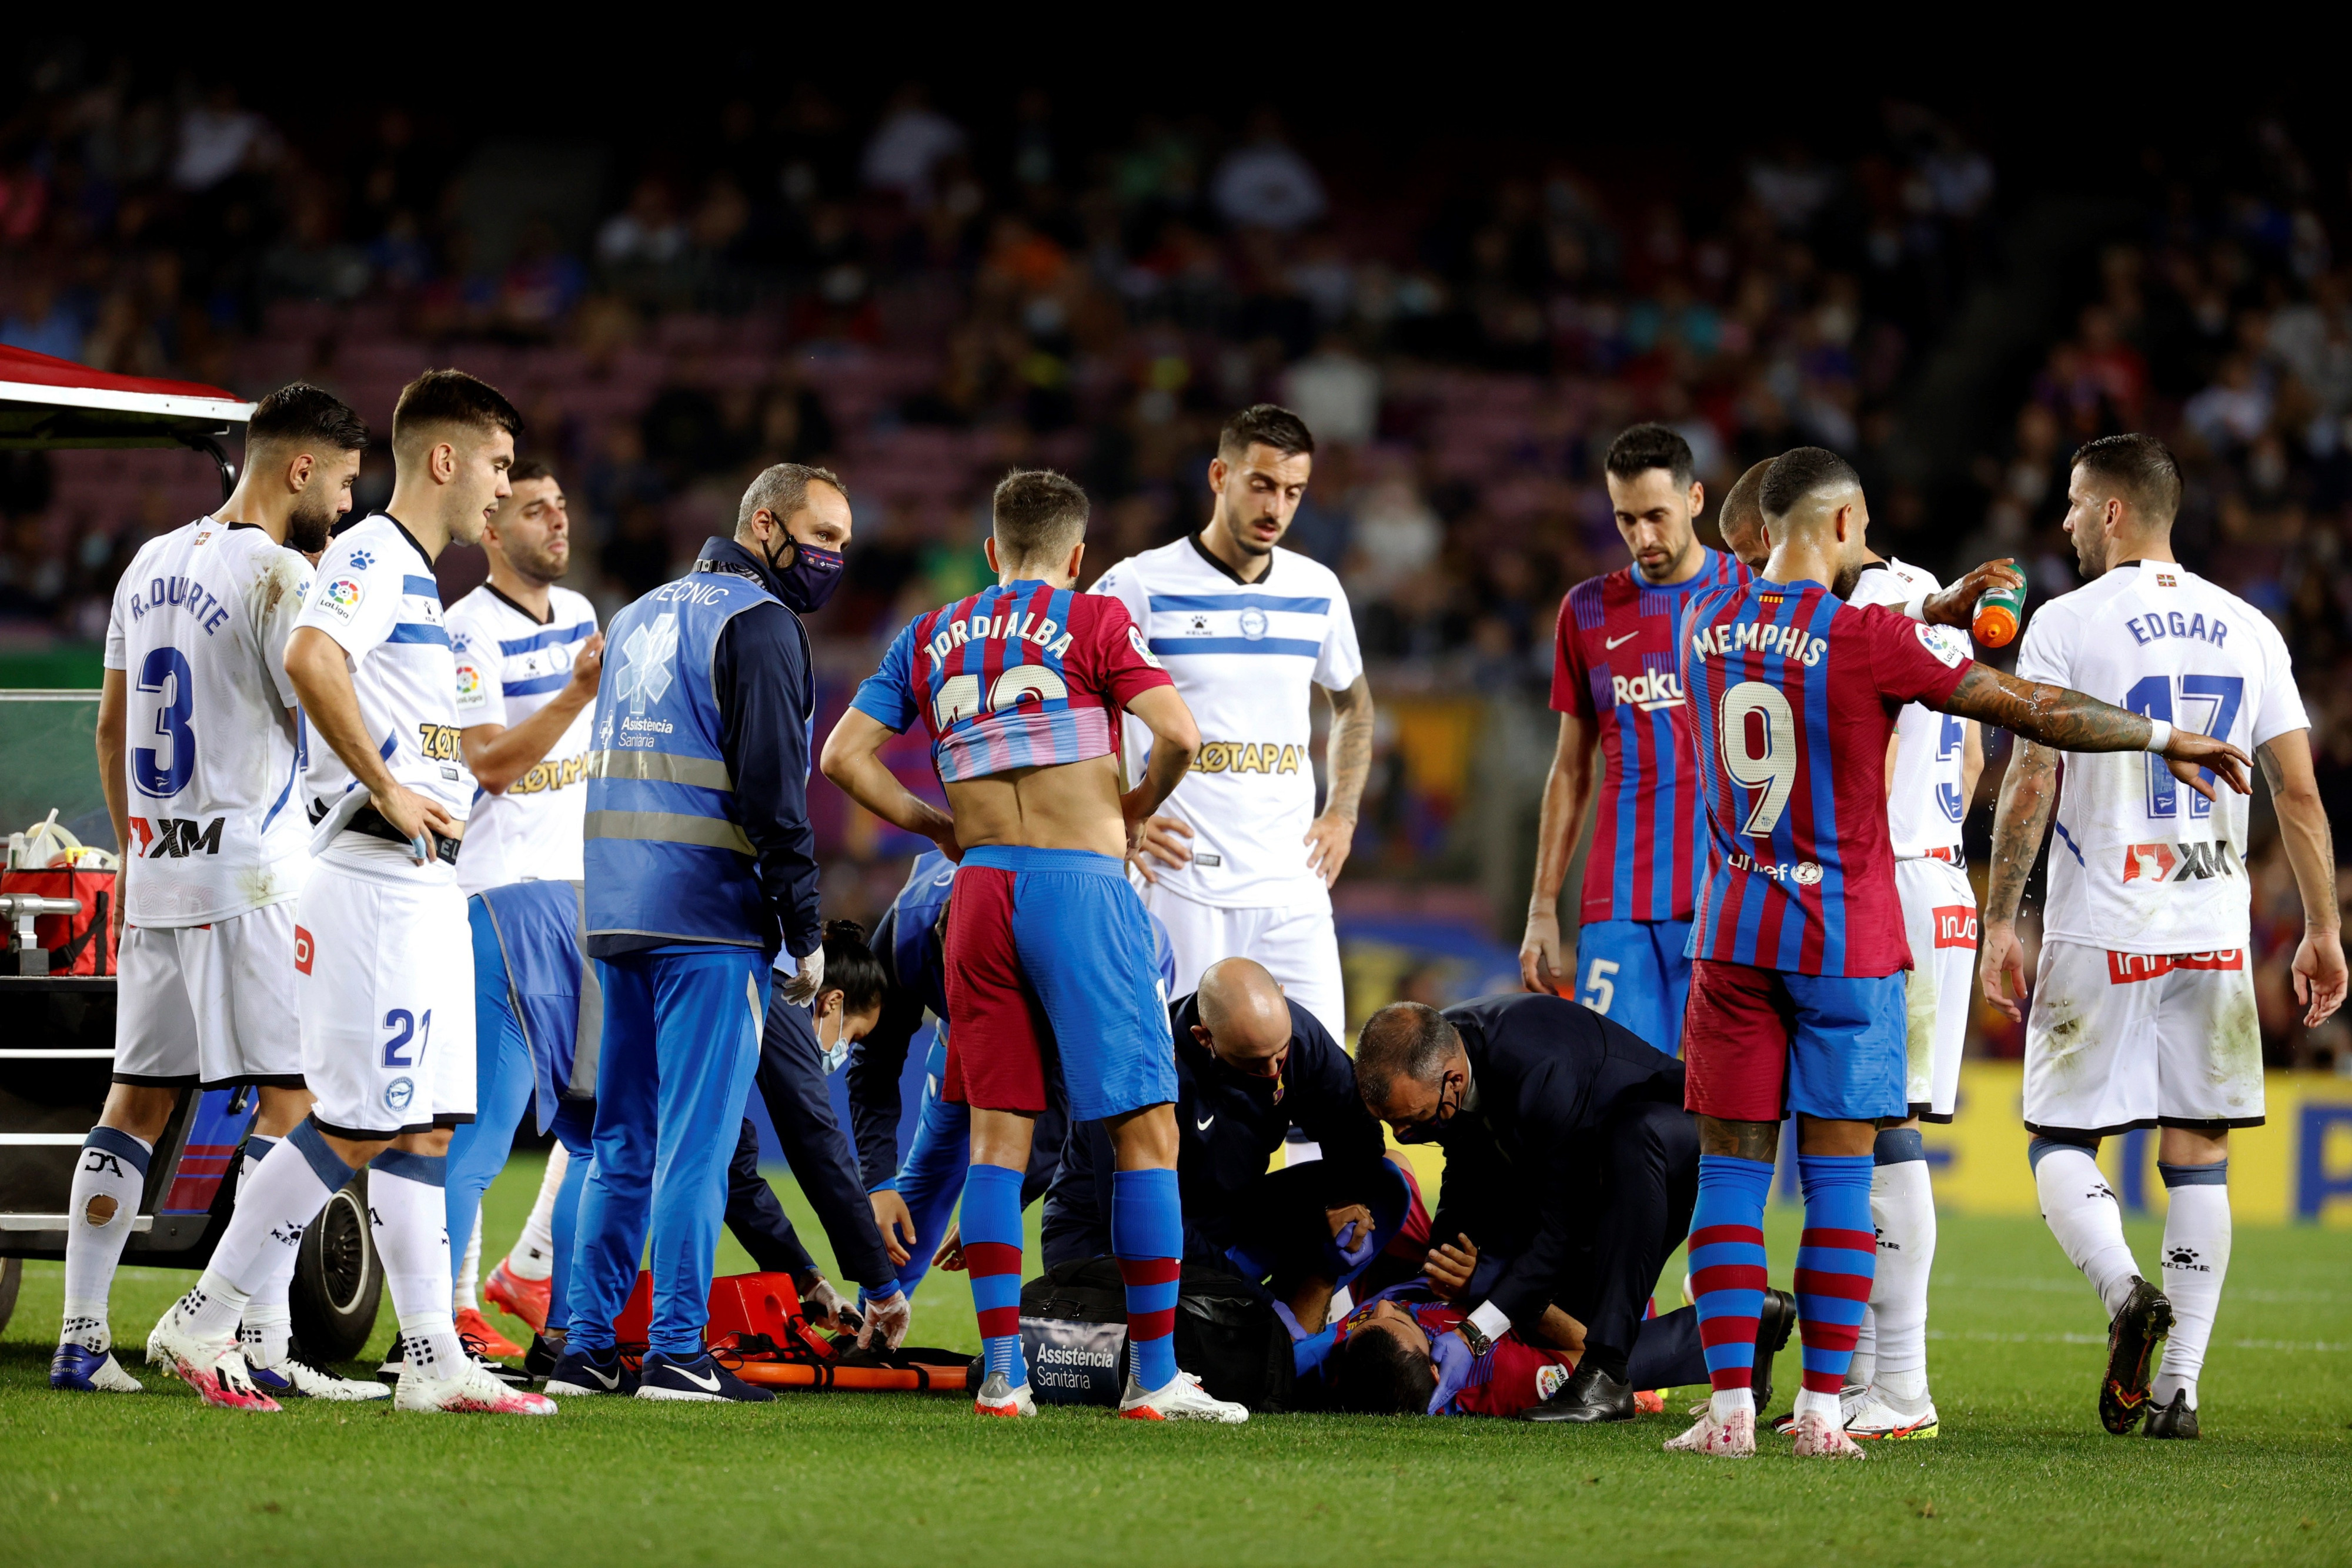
1250, 1066
1571, 1173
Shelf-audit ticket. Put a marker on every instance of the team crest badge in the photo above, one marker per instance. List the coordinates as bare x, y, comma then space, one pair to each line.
398, 1094
1254, 623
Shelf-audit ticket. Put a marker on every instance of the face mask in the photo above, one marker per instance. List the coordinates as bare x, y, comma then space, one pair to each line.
838, 1051
810, 580
1428, 1132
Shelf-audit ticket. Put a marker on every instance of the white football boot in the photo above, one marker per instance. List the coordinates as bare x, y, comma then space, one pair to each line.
1818, 1436
1734, 1439
1873, 1417
294, 1379
214, 1368
999, 1397
474, 1390
1182, 1400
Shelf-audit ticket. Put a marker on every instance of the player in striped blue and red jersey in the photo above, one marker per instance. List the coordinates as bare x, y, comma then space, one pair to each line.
1616, 685
1798, 946
1018, 686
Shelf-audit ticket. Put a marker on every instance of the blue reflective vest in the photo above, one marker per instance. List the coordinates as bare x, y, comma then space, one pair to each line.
667, 855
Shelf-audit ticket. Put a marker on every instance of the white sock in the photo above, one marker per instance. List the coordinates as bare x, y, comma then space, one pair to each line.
268, 1324
1864, 1365
462, 1295
2083, 1214
409, 1202
1903, 1208
109, 1174
1822, 1405
533, 1256
1726, 1403
2196, 1260
285, 1193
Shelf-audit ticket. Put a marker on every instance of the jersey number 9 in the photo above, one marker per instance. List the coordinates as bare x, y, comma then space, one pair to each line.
1757, 733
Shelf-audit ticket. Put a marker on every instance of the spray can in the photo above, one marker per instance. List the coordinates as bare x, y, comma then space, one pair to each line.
1997, 615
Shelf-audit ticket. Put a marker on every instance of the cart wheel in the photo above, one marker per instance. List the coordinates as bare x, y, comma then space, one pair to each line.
12, 1277
338, 1280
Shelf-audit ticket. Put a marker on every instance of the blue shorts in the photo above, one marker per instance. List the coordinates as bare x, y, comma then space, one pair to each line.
1634, 973
1046, 945
1765, 1043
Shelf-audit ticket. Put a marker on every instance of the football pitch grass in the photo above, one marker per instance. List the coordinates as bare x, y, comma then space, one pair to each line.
2022, 1474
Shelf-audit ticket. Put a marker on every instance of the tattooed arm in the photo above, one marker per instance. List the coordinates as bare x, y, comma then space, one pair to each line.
2069, 721
1346, 762
2027, 793
2319, 978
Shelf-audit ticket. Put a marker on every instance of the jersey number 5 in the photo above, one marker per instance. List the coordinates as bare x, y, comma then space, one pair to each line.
1757, 733
959, 695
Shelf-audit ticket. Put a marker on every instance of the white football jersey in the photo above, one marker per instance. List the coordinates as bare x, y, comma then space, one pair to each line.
509, 665
1924, 805
1243, 655
198, 629
375, 594
2140, 863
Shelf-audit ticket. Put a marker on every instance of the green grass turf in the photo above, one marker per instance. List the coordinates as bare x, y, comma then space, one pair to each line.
2023, 1473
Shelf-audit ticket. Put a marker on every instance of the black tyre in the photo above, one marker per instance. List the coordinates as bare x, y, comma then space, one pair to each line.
338, 1280
12, 1278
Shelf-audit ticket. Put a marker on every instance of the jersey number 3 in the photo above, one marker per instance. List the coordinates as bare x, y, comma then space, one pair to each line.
959, 695
1756, 732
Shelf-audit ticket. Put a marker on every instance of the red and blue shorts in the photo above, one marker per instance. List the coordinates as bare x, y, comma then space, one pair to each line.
1047, 946
1761, 1043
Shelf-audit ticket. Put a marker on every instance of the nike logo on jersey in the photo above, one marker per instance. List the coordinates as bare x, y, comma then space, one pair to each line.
1612, 642
1203, 1125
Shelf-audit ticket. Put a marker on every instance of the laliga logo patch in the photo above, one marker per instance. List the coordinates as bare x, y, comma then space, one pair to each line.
1942, 642
1549, 1380
1135, 640
1254, 623
469, 684
398, 1094
340, 598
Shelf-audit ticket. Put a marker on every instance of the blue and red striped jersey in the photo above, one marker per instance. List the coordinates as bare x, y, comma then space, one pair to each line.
1023, 674
1793, 696
1614, 663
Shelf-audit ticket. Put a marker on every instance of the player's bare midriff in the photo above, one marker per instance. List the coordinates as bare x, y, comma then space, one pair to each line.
1061, 806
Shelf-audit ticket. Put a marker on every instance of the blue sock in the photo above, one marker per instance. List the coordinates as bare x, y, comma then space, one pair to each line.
1836, 1260
1728, 1264
992, 1255
1147, 1235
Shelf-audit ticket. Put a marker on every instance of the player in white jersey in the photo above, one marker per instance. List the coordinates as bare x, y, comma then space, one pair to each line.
527, 654
386, 991
1932, 764
198, 741
1239, 862
2143, 1015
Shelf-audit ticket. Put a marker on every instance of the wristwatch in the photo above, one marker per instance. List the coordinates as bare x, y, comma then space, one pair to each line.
1474, 1336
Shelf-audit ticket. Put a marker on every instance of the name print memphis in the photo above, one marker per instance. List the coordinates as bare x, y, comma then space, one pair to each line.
1790, 642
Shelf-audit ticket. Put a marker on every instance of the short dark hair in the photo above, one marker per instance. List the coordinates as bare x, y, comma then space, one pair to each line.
528, 469
1648, 446
1379, 1376
1797, 474
1264, 425
782, 491
2137, 468
1743, 503
1405, 1040
300, 413
1039, 515
850, 968
453, 397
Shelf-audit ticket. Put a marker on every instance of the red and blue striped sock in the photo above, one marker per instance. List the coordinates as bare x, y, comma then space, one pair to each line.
1836, 1259
1727, 1264
991, 1224
1147, 1234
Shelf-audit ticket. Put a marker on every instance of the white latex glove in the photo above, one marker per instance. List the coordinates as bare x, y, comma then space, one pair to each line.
828, 1307
887, 1321
801, 988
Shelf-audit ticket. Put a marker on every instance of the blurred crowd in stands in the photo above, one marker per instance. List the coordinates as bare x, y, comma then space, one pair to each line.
920, 301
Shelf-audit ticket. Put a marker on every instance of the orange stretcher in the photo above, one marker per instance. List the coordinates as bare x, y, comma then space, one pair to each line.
758, 1332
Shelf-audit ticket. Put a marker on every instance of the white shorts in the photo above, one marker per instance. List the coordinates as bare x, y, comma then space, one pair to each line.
387, 1003
2118, 1040
1940, 920
211, 1004
1298, 945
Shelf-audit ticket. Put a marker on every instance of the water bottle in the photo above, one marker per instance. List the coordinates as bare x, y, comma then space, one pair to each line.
1997, 615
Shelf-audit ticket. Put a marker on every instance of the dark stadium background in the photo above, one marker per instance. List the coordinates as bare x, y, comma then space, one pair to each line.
685, 261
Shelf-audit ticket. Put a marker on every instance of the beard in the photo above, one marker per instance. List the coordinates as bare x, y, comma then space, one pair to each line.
307, 529
540, 565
